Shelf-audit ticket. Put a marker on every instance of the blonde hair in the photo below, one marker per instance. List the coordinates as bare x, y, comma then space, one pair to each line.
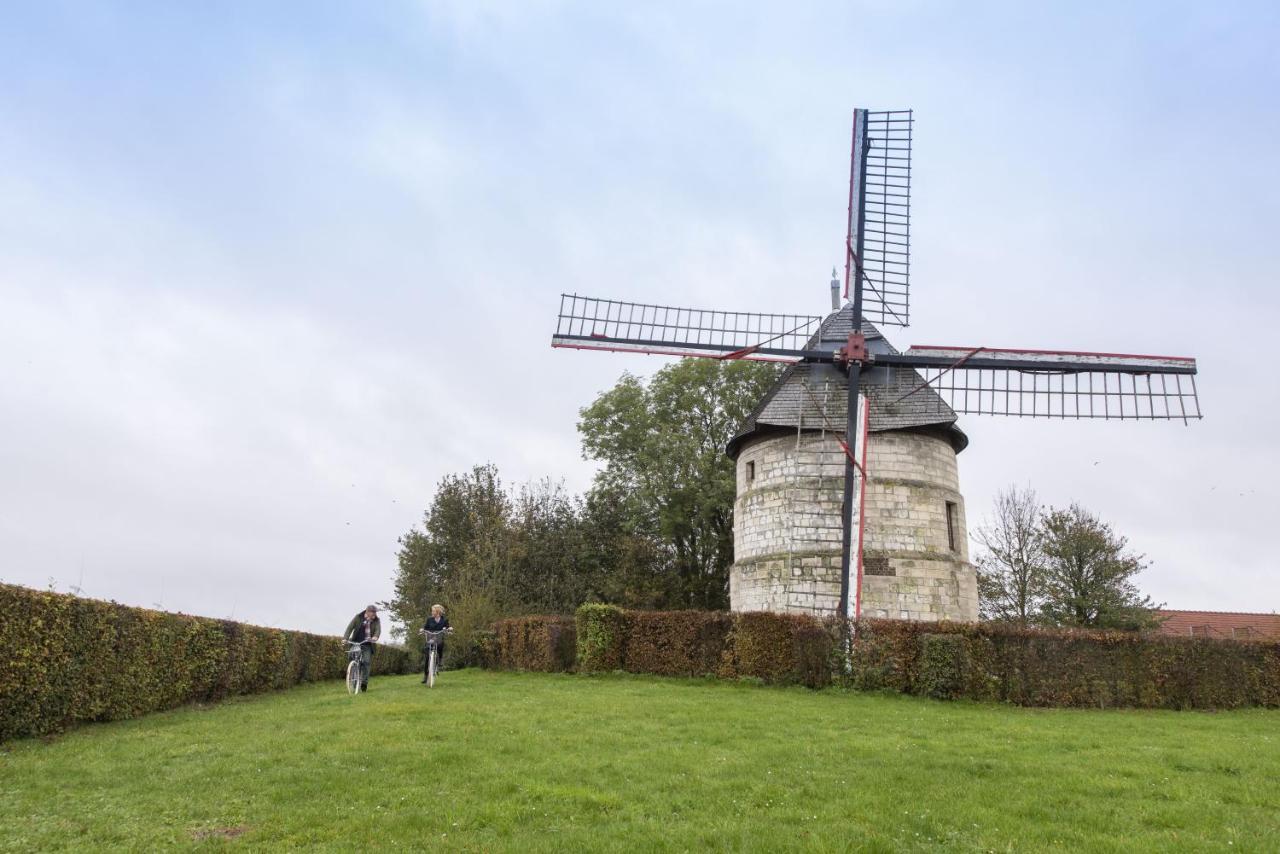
439, 608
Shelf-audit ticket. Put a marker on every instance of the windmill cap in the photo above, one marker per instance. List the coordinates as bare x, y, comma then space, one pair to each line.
787, 406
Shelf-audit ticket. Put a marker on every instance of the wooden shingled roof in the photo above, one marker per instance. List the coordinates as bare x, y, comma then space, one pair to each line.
814, 396
1238, 625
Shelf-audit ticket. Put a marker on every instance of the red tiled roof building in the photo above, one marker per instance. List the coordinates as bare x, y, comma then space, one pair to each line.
1220, 624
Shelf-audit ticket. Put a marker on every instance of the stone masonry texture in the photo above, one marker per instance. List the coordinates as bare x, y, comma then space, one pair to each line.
787, 529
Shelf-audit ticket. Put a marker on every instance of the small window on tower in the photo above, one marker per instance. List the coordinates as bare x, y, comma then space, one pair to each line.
751, 470
951, 526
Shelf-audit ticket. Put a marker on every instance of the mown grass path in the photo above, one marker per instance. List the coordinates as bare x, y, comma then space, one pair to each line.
501, 761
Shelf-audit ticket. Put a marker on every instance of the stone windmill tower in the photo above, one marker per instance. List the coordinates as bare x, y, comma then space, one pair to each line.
790, 491
856, 443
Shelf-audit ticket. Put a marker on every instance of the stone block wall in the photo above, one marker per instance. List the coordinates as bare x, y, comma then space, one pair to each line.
787, 528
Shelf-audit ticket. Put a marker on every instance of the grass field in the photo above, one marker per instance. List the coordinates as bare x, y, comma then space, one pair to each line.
500, 761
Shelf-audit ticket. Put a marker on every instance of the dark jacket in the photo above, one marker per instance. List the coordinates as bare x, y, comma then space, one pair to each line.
355, 629
434, 625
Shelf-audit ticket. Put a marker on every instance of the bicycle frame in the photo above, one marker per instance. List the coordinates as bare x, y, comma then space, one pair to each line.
353, 648
355, 658
434, 639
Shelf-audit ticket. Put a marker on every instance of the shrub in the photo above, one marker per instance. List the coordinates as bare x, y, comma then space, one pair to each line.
545, 644
461, 650
601, 638
942, 666
778, 648
675, 643
485, 644
70, 660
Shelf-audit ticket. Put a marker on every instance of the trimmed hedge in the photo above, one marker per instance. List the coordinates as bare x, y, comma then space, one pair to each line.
983, 661
778, 648
546, 644
602, 637
943, 662
781, 648
675, 643
1037, 667
68, 660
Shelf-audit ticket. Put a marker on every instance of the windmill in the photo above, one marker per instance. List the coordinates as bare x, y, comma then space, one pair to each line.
974, 380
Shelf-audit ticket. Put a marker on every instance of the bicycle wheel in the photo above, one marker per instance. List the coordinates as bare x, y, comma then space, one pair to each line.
431, 670
353, 677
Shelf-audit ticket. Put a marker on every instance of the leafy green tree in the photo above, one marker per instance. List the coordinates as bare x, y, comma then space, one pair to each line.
656, 529
1088, 579
461, 556
662, 444
549, 574
487, 552
625, 563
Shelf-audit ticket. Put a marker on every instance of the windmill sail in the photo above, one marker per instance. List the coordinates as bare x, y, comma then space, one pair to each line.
1055, 384
588, 323
880, 213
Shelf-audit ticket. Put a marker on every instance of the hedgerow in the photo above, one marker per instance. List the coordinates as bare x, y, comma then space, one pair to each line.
68, 660
781, 648
540, 643
982, 661
943, 659
675, 643
1041, 667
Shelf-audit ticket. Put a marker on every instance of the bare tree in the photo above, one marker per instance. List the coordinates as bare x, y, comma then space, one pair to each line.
1011, 566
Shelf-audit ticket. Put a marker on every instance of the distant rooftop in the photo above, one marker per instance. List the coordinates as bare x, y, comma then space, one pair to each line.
1239, 625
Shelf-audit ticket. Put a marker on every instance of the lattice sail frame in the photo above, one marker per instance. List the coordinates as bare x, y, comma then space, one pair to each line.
886, 216
1056, 384
588, 323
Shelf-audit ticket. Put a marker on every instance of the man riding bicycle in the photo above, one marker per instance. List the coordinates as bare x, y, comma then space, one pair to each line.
364, 626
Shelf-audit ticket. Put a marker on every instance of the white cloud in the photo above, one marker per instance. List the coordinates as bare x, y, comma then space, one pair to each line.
167, 439
348, 273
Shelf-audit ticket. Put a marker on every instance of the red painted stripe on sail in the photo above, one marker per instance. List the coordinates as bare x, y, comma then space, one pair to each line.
1056, 353
683, 353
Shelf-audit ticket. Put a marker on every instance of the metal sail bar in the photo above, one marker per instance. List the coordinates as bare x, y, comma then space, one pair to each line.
1053, 384
588, 323
1064, 359
886, 213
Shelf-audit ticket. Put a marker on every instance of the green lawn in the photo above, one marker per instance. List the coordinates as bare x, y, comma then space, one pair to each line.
497, 761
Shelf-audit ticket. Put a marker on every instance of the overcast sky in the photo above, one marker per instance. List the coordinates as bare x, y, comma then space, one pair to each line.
268, 271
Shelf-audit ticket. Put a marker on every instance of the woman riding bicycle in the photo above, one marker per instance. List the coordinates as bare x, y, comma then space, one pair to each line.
437, 622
